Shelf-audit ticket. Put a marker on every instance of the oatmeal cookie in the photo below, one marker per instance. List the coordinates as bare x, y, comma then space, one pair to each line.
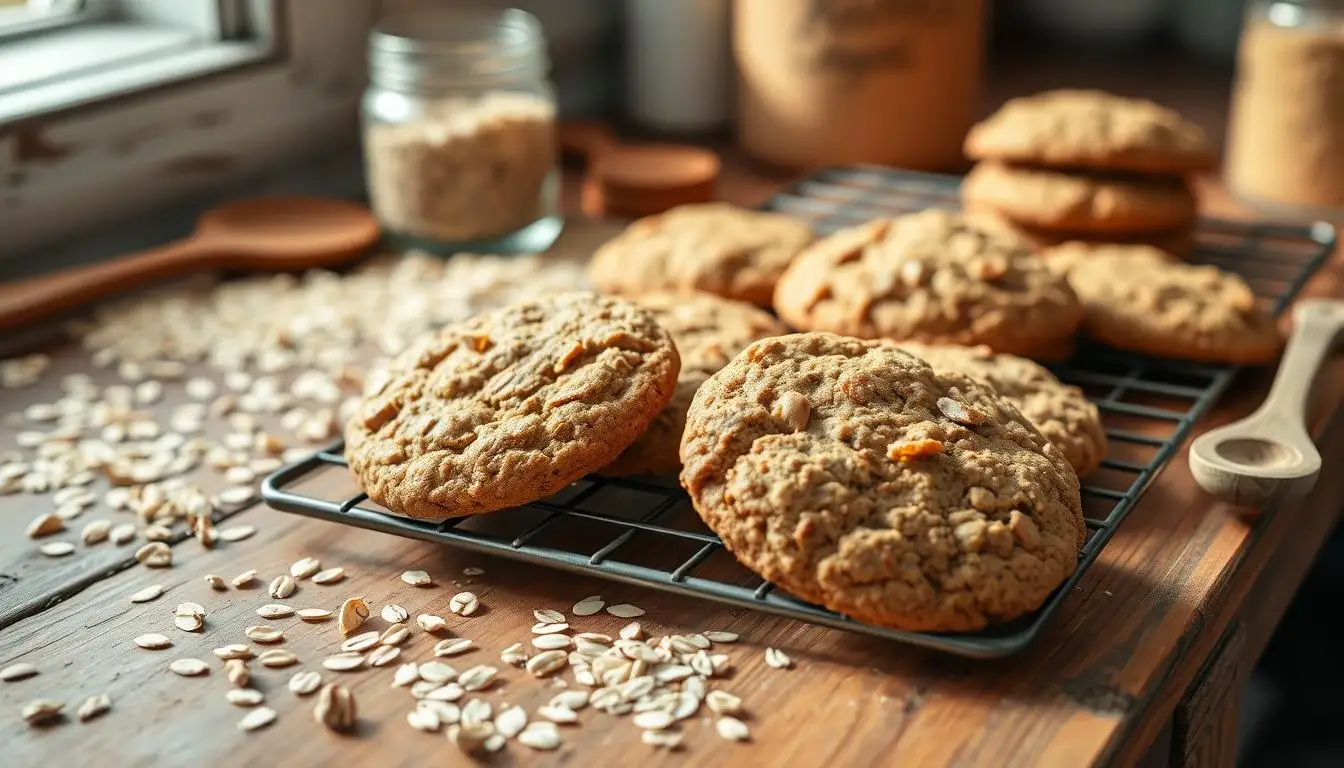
1061, 412
1091, 129
510, 406
708, 332
1145, 300
935, 277
713, 247
853, 475
1057, 201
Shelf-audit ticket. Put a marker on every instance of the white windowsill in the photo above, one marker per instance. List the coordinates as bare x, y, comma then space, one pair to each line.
79, 65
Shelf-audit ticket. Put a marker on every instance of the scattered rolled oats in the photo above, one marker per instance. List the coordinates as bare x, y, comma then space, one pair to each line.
304, 682
244, 697
732, 729
777, 659
588, 606
551, 642
417, 578
245, 578
329, 576
719, 636
236, 532
335, 708
515, 655
475, 679
282, 586
437, 672
233, 651
540, 735
471, 738
395, 634
344, 662
625, 611
314, 615
277, 657
631, 631
453, 646
56, 548
93, 707
95, 532
155, 554
431, 623
394, 614
464, 604
122, 533
547, 662
405, 675
238, 672
264, 634
19, 671
275, 611
259, 717
153, 641
45, 525
189, 617
304, 568
188, 667
361, 642
42, 711
354, 612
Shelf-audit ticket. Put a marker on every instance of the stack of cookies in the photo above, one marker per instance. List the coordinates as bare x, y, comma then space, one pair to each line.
1087, 166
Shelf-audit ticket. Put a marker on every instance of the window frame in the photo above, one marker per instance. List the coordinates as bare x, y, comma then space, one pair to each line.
66, 172
80, 11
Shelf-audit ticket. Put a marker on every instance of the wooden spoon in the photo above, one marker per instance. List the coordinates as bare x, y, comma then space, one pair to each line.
1268, 456
264, 233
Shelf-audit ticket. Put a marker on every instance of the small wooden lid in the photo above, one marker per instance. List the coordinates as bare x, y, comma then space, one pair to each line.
644, 179
583, 140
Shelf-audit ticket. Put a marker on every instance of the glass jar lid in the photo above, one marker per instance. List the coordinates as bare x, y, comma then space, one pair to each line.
458, 47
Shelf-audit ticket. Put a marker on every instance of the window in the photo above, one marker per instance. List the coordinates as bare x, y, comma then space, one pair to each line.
55, 54
108, 108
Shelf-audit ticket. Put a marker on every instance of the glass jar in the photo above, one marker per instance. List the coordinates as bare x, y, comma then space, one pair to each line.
1285, 142
459, 132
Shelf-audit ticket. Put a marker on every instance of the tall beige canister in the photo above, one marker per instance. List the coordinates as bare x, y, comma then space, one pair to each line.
822, 82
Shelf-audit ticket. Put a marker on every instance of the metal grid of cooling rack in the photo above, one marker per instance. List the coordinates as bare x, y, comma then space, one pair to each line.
643, 532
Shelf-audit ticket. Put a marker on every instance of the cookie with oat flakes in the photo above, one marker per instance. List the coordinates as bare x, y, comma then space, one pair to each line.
1095, 203
1091, 129
510, 406
1145, 300
855, 476
1060, 411
717, 248
936, 277
708, 331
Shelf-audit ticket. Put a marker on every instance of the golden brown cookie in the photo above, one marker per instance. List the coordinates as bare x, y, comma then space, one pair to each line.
1061, 412
1091, 129
510, 406
1059, 201
713, 247
1145, 300
933, 276
853, 475
708, 332
1177, 242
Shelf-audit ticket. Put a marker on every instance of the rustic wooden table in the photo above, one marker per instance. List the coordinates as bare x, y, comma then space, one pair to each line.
1144, 664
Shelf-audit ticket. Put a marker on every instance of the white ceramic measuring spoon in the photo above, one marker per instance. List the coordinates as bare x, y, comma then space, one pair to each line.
1268, 456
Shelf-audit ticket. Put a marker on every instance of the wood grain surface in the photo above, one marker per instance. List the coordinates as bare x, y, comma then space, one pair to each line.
1102, 686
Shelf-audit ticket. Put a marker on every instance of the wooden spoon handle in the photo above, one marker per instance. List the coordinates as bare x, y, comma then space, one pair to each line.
44, 296
1316, 324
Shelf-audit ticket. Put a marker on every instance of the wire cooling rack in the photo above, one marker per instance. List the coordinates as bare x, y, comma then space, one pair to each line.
644, 531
